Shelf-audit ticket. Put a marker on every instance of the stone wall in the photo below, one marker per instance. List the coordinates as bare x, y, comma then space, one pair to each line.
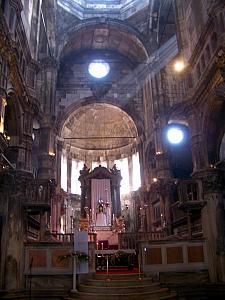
170, 256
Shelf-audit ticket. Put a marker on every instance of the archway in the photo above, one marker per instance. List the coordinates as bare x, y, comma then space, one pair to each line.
99, 134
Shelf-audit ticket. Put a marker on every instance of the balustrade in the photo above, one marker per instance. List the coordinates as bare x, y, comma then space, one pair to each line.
130, 240
69, 237
39, 193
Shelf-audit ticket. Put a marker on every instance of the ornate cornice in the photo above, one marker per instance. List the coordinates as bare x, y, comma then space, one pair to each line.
212, 179
8, 50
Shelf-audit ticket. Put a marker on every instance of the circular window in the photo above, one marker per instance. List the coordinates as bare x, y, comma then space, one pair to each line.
175, 135
98, 68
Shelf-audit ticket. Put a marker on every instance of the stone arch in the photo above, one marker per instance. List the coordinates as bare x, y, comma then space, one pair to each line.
91, 100
214, 127
110, 35
13, 116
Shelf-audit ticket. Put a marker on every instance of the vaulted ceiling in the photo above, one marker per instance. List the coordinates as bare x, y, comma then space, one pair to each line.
121, 9
106, 36
99, 126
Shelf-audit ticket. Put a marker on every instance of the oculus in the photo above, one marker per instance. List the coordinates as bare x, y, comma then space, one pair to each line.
175, 135
98, 68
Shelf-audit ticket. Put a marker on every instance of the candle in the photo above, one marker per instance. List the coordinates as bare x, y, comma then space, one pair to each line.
97, 245
102, 246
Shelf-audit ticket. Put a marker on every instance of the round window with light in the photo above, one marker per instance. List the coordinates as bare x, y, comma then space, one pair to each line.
98, 68
175, 135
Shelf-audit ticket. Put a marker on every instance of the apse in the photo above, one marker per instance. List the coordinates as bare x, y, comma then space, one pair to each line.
100, 134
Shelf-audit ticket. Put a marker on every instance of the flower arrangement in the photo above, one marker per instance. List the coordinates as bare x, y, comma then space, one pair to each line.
81, 256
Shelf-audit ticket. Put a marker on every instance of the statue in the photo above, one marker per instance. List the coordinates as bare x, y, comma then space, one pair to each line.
114, 170
85, 170
101, 216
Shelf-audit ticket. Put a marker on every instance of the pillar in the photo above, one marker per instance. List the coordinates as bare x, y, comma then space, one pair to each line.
3, 104
69, 171
198, 145
47, 134
58, 161
130, 171
213, 220
213, 213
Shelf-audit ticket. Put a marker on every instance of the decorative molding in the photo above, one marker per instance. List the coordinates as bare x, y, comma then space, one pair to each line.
8, 50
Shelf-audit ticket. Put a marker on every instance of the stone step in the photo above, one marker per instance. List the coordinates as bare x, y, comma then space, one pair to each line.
150, 295
120, 282
35, 294
120, 289
118, 276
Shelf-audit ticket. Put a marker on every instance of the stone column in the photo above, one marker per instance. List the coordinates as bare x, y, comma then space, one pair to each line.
213, 220
142, 164
58, 161
130, 170
69, 171
163, 174
35, 27
47, 135
198, 147
14, 190
115, 196
43, 223
165, 189
3, 104
162, 161
47, 157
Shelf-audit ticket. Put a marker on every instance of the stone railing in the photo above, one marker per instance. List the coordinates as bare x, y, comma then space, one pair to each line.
190, 195
69, 237
39, 192
130, 240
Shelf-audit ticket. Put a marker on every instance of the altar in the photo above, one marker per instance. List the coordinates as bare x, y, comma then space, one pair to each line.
116, 259
100, 200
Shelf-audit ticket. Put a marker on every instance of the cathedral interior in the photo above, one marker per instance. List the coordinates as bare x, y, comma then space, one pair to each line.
112, 128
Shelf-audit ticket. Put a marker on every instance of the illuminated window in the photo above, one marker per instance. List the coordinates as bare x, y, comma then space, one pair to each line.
98, 68
64, 172
122, 165
136, 175
75, 173
175, 135
94, 164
